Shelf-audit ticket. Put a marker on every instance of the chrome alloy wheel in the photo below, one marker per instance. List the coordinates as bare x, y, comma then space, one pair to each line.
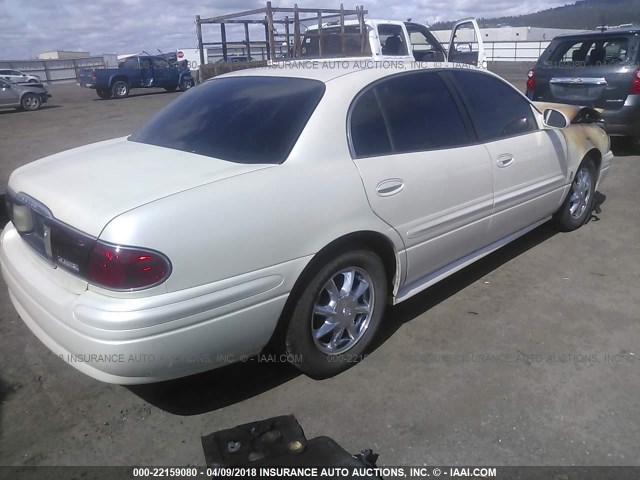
121, 89
342, 311
580, 193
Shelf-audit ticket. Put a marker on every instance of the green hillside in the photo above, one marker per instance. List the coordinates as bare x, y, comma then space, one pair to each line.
582, 15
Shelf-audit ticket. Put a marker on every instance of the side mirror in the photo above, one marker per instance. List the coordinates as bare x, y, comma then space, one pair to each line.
555, 119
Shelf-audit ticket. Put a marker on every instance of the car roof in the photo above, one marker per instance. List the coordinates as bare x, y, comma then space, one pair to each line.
327, 70
612, 32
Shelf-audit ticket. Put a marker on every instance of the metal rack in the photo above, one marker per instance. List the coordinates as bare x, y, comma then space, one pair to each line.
272, 16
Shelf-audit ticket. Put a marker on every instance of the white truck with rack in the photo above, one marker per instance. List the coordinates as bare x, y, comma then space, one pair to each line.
292, 34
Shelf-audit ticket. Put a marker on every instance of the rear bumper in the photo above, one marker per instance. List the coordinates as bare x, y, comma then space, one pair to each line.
144, 340
626, 121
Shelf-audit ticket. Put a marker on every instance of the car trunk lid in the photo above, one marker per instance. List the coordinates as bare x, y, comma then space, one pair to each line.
89, 186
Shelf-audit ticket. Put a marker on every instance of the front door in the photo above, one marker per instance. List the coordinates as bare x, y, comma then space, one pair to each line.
529, 163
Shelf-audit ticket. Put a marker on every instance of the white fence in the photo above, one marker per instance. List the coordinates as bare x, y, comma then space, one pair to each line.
515, 51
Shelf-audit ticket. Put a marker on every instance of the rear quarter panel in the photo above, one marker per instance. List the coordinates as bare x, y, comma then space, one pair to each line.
263, 218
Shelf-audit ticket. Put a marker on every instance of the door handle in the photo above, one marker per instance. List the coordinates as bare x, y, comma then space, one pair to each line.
389, 187
505, 160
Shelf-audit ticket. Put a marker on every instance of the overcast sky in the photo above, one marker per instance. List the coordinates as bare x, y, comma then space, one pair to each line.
29, 27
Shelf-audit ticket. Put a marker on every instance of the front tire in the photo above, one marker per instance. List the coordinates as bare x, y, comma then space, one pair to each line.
578, 205
185, 85
30, 102
337, 314
120, 89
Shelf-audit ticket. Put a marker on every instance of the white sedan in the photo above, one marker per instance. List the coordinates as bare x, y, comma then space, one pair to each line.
283, 206
16, 76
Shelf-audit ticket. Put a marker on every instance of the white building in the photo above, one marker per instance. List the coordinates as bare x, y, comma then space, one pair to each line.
507, 34
62, 55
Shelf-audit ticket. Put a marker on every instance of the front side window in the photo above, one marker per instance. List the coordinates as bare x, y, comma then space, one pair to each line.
417, 110
241, 119
159, 62
425, 47
496, 109
130, 63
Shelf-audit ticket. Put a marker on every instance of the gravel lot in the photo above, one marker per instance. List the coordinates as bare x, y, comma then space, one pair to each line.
556, 317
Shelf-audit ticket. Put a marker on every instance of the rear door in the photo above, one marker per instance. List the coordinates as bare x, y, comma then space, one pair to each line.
592, 71
466, 45
421, 170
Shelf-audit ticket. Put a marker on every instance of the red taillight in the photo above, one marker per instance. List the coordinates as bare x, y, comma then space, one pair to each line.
635, 83
126, 268
531, 79
94, 75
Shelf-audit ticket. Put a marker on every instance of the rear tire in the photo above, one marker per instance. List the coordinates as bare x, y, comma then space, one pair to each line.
30, 102
578, 205
120, 89
104, 93
337, 314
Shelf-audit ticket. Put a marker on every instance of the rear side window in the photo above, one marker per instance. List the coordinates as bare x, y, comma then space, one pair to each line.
591, 51
497, 110
241, 119
406, 113
421, 113
369, 133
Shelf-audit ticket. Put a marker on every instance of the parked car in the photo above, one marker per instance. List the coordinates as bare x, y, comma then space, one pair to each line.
288, 206
22, 96
596, 69
16, 76
141, 71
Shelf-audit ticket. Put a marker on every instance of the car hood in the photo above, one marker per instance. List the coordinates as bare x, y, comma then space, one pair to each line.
89, 186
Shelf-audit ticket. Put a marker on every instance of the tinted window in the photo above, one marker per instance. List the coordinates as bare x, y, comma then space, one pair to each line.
421, 112
591, 51
497, 110
369, 134
242, 119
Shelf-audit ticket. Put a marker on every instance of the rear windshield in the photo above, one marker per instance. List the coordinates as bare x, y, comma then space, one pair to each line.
592, 51
241, 119
332, 45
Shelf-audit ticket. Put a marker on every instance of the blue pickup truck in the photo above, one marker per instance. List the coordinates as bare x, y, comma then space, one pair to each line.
142, 71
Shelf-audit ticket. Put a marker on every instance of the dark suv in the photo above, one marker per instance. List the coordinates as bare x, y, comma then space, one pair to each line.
594, 69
